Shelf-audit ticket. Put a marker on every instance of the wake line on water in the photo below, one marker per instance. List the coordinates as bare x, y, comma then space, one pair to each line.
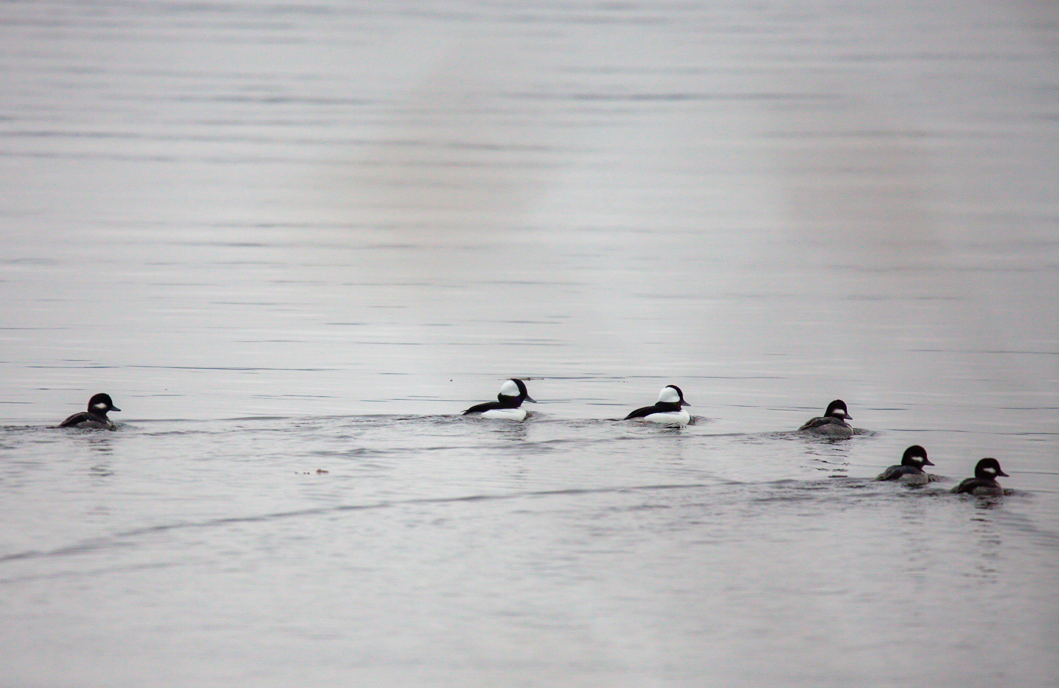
792, 490
115, 539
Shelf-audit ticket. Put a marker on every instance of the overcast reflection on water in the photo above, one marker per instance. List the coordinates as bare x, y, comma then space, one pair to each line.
293, 240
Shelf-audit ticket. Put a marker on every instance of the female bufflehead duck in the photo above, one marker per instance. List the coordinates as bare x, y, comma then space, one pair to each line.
95, 416
910, 472
508, 403
832, 423
668, 409
984, 480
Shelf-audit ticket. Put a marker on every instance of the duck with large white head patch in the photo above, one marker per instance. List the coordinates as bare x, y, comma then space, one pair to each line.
832, 423
668, 410
508, 404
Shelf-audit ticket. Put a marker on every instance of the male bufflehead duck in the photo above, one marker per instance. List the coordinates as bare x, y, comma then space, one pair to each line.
95, 416
911, 470
984, 480
832, 423
508, 403
668, 409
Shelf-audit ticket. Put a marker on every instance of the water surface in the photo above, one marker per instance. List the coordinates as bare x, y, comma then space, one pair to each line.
294, 241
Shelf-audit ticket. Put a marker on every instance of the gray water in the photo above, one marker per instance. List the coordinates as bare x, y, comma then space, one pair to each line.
293, 241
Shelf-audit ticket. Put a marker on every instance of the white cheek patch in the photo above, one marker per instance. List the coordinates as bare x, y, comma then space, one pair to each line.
668, 395
990, 471
100, 406
509, 389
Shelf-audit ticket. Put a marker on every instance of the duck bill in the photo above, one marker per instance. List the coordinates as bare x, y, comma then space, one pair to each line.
927, 462
530, 399
114, 408
1001, 472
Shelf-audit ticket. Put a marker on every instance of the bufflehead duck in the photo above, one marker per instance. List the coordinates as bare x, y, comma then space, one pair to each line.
508, 403
984, 480
95, 416
668, 409
832, 423
910, 472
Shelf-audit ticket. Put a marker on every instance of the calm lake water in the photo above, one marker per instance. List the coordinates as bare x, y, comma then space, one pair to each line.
294, 241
